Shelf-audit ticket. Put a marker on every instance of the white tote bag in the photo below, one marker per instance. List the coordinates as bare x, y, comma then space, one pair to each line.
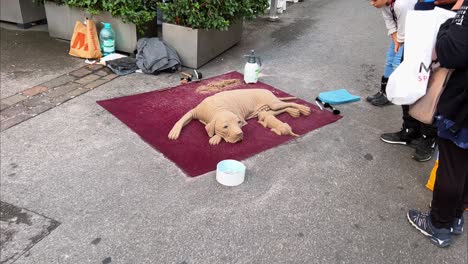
409, 81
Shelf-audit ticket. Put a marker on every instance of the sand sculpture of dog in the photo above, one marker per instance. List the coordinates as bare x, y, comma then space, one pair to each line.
268, 120
224, 113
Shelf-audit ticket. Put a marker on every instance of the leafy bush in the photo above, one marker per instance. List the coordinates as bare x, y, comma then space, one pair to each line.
137, 12
210, 14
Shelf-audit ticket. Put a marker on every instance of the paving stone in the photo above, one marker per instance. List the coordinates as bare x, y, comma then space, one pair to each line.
3, 106
103, 72
68, 96
36, 100
95, 67
14, 99
110, 77
58, 81
81, 72
61, 90
7, 123
77, 92
95, 84
34, 111
88, 79
14, 111
34, 90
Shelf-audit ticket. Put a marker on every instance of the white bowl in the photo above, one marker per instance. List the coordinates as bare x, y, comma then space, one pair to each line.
230, 172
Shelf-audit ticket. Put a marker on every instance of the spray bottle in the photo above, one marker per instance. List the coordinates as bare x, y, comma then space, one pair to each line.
252, 67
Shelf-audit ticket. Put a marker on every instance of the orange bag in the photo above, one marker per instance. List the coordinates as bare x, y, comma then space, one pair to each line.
432, 178
85, 42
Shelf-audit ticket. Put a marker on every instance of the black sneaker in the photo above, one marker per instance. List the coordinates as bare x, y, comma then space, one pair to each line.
424, 149
415, 142
380, 100
458, 226
441, 237
403, 137
372, 97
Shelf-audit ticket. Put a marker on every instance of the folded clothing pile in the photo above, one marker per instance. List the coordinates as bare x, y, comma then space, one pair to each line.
153, 56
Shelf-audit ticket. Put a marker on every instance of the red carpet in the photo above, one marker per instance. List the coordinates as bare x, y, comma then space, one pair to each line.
151, 115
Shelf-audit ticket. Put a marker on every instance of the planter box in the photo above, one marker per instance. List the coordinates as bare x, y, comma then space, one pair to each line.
22, 12
61, 21
198, 46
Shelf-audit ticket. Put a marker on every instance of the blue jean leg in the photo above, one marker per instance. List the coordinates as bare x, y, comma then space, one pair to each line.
393, 59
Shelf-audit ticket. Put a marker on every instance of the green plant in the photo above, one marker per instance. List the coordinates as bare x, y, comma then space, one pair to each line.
138, 12
210, 14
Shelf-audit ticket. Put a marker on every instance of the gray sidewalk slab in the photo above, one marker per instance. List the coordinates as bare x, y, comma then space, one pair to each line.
335, 195
30, 57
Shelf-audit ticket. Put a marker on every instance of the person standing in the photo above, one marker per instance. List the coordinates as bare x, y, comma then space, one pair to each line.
451, 187
394, 14
415, 134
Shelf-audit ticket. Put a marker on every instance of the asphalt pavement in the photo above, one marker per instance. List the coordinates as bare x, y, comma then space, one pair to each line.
97, 193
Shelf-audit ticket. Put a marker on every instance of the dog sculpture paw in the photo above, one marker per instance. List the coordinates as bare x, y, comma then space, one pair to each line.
215, 140
175, 132
305, 110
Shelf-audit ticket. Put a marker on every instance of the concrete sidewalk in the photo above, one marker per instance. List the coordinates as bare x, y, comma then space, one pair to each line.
30, 57
93, 192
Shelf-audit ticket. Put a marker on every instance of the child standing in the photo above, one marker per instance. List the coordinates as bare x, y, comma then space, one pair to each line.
394, 13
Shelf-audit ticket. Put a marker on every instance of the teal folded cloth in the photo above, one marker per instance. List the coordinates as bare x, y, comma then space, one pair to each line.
340, 96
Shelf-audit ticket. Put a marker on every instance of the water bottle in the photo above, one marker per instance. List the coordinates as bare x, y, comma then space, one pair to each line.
252, 68
107, 39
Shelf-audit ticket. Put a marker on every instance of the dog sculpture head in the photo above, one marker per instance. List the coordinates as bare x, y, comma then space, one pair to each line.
227, 125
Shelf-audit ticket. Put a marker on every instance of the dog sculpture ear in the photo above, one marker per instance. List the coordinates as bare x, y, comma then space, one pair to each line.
210, 128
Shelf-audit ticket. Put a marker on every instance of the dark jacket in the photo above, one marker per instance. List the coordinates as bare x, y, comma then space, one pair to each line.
452, 52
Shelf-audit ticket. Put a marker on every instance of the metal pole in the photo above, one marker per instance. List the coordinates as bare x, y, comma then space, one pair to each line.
273, 7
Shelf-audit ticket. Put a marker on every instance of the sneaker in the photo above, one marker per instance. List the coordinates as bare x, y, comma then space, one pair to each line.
424, 148
372, 97
415, 142
380, 100
403, 137
457, 228
422, 221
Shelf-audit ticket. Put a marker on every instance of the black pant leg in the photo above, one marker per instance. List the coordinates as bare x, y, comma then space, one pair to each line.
452, 174
409, 121
463, 202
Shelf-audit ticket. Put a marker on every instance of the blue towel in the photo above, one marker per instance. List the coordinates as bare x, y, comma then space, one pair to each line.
340, 96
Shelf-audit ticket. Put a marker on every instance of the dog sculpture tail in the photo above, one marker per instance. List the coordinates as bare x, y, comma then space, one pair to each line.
293, 134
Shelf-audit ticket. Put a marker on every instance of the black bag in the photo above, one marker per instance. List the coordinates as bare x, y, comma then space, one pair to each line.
123, 66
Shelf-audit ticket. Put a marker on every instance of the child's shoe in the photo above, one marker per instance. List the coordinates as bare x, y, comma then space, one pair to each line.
380, 100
